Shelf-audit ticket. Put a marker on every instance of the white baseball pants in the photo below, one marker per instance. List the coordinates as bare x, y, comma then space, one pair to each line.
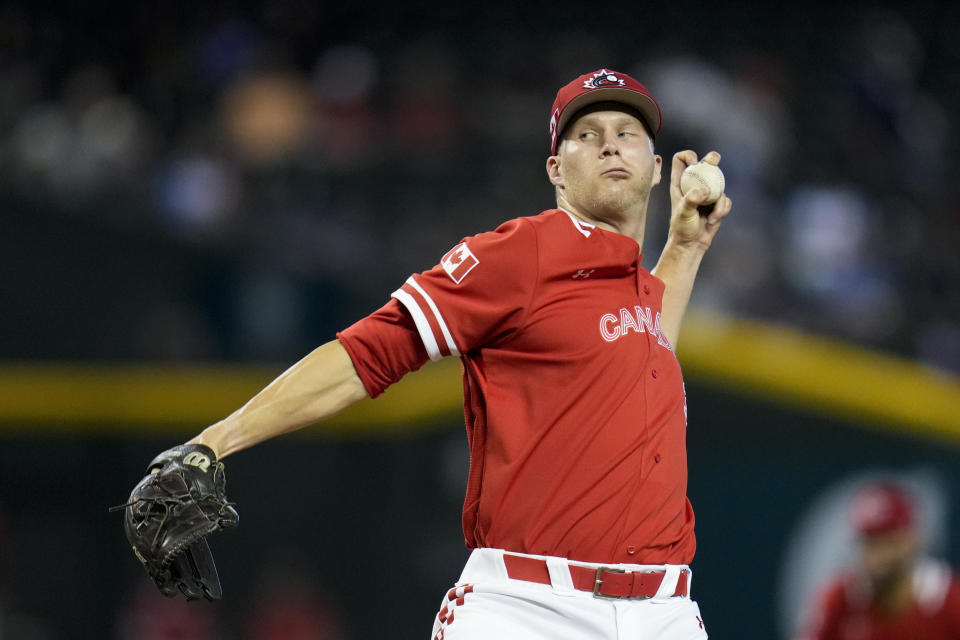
488, 604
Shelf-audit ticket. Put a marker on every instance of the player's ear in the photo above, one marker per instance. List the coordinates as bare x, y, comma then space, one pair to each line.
554, 172
658, 160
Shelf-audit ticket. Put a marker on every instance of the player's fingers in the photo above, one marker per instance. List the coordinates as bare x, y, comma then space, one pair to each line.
720, 210
712, 158
695, 197
681, 160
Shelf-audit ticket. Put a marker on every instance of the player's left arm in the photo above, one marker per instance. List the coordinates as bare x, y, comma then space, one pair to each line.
691, 233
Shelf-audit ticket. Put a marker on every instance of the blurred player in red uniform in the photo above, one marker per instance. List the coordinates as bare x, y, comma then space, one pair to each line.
576, 505
893, 592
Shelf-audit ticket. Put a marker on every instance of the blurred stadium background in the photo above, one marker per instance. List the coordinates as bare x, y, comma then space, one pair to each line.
195, 195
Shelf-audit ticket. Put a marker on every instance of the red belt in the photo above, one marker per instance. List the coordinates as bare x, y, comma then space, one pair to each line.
606, 582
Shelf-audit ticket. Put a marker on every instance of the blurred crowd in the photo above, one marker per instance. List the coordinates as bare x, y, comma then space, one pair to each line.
312, 144
286, 603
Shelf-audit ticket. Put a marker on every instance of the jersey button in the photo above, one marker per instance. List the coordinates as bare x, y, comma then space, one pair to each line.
656, 458
631, 550
646, 289
654, 374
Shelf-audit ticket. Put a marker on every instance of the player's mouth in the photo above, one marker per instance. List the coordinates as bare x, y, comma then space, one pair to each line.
616, 172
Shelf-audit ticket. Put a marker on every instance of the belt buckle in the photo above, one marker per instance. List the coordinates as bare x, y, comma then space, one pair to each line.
597, 582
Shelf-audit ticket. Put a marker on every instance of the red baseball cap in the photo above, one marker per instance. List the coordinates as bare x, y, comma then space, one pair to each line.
602, 85
882, 507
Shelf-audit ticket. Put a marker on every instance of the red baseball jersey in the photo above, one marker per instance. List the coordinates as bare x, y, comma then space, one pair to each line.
573, 398
845, 611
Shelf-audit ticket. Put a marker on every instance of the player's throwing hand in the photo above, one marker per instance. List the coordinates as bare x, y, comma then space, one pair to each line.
691, 223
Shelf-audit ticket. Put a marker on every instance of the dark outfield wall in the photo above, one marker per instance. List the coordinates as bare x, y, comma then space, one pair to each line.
370, 530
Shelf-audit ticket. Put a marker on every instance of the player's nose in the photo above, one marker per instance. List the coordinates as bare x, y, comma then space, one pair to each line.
609, 146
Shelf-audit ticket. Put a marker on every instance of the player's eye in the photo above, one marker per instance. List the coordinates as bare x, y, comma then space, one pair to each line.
585, 135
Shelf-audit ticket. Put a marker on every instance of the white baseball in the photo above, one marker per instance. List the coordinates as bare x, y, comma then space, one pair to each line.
706, 175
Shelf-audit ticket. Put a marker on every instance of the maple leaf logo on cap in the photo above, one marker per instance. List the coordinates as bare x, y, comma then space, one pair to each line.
603, 78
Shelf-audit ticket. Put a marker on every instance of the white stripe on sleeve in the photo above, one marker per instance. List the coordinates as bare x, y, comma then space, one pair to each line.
438, 316
426, 333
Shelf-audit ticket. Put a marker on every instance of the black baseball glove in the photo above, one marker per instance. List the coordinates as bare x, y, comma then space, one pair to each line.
171, 511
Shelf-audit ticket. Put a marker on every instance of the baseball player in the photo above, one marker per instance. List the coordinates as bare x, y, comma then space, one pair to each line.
576, 507
893, 593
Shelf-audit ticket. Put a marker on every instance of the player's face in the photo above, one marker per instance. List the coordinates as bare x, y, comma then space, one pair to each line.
886, 557
605, 162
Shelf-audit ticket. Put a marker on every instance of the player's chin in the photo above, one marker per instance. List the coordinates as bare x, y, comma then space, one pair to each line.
621, 186
620, 193
612, 205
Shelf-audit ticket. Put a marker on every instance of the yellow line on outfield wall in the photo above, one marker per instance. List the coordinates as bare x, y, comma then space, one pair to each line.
783, 365
773, 363
158, 398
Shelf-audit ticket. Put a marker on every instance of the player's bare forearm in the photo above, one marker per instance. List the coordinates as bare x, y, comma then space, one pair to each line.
677, 268
318, 386
690, 235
